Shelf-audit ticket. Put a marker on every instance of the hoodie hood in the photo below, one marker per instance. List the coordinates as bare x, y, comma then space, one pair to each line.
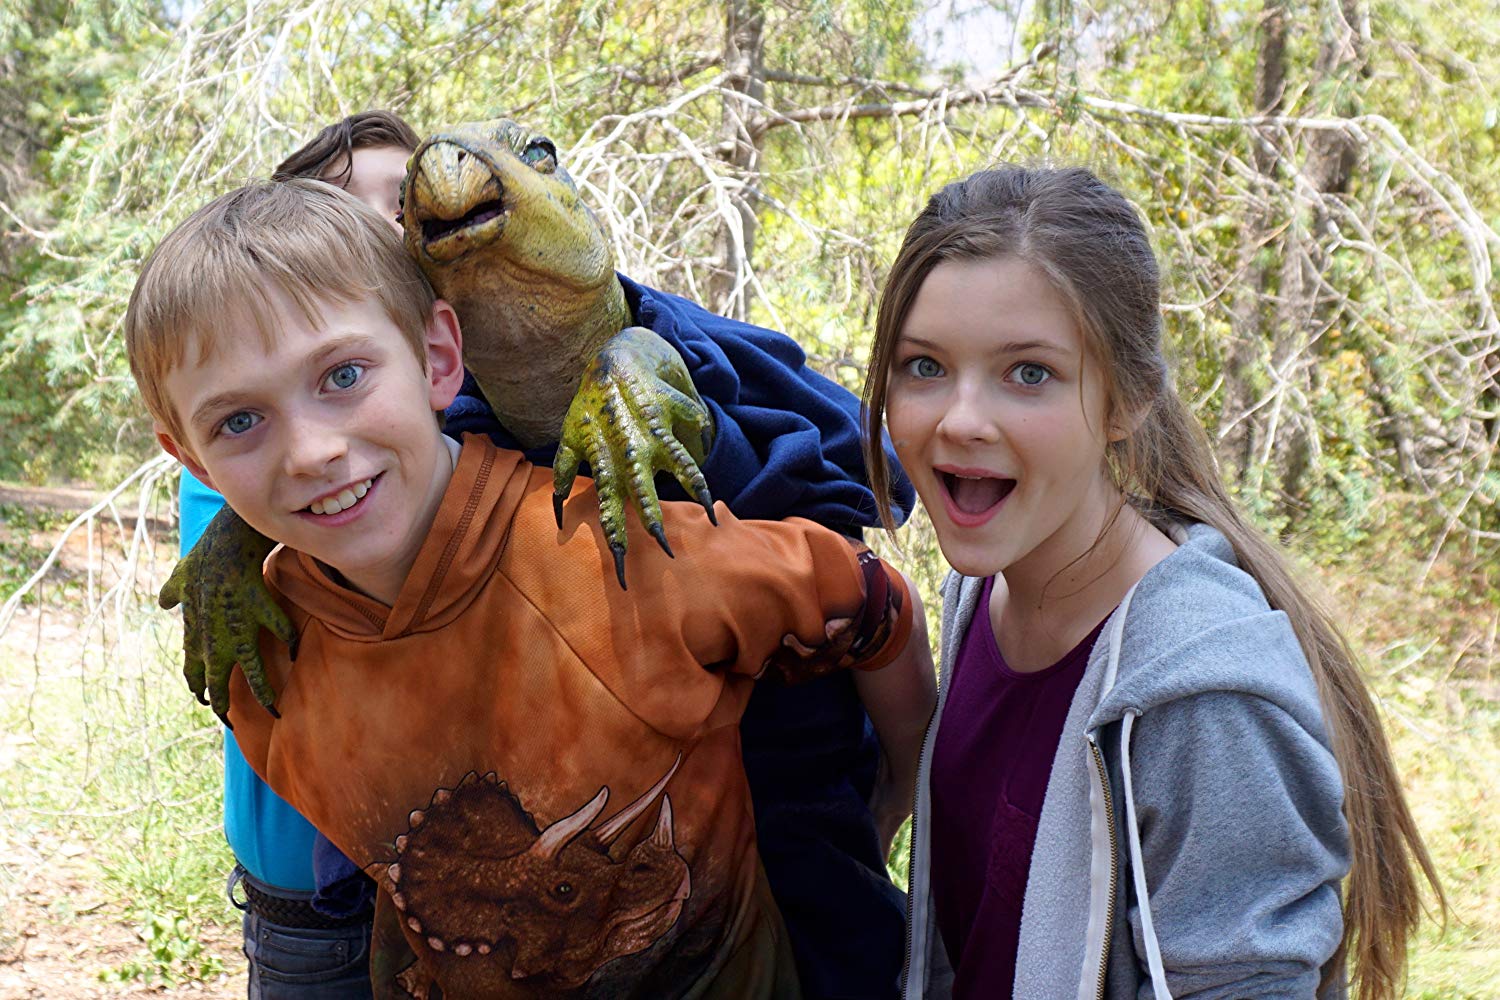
1224, 638
464, 545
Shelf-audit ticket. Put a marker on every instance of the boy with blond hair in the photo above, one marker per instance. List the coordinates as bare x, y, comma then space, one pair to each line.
541, 770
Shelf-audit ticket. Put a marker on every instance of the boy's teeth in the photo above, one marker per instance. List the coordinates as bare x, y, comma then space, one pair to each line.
345, 499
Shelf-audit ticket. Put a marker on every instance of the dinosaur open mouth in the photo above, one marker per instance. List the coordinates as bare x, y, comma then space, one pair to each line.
435, 229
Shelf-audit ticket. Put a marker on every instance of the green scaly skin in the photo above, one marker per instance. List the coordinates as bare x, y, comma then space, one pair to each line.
502, 234
225, 604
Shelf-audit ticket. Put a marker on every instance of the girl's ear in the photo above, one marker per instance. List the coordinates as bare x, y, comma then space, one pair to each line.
443, 342
1125, 422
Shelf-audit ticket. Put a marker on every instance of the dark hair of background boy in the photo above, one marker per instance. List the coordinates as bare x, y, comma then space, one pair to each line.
336, 144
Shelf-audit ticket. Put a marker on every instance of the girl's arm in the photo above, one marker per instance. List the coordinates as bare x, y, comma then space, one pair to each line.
1238, 810
899, 699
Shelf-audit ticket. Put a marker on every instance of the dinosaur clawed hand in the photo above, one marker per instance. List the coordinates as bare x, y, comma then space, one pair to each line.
225, 604
636, 414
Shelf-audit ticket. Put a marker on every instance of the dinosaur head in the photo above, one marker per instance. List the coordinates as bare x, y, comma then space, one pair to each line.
492, 894
491, 198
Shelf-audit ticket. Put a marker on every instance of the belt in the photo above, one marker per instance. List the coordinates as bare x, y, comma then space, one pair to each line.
288, 911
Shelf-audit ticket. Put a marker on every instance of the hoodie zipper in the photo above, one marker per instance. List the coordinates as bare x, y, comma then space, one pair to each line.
1114, 867
911, 847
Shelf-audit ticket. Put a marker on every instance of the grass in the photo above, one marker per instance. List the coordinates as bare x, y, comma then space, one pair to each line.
101, 746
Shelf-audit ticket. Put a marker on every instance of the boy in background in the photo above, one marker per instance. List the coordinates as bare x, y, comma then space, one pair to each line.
810, 753
472, 691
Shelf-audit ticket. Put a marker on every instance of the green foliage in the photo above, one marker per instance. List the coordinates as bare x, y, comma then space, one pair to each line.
174, 953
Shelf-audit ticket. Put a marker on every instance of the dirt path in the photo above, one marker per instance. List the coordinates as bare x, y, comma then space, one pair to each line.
63, 939
62, 935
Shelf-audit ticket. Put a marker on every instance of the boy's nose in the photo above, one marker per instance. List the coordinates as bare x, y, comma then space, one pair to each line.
311, 449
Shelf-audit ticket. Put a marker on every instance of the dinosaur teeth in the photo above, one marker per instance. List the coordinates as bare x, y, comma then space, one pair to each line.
401, 843
414, 924
399, 899
463, 948
343, 500
394, 871
436, 944
484, 949
416, 818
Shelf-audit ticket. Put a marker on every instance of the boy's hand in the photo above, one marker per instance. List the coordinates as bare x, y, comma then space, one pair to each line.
225, 604
847, 640
636, 414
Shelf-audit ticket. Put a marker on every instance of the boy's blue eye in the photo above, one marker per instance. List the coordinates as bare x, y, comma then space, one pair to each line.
344, 376
239, 423
924, 367
1032, 374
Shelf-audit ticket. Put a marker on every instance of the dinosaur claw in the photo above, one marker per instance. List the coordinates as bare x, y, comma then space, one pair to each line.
708, 442
707, 500
293, 646
660, 534
619, 554
557, 505
274, 713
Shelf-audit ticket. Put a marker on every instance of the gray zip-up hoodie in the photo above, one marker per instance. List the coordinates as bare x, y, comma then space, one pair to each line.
1194, 774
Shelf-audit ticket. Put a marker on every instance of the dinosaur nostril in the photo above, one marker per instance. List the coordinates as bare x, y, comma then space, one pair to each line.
462, 156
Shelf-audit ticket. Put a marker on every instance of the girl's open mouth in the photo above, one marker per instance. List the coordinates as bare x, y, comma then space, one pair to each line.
972, 500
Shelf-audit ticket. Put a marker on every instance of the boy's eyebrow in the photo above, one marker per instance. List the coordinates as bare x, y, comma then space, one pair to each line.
212, 406
219, 402
338, 345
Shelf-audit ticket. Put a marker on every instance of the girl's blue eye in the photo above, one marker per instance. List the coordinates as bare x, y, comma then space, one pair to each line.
924, 367
344, 376
1032, 374
239, 423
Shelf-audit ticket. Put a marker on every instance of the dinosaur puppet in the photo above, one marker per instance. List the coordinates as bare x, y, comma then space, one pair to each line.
501, 232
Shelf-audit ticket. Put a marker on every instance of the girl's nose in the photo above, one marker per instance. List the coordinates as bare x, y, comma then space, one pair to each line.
970, 416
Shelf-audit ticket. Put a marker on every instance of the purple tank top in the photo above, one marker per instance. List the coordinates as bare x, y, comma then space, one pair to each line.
990, 766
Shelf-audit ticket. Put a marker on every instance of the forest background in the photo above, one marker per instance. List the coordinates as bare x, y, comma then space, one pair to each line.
1320, 178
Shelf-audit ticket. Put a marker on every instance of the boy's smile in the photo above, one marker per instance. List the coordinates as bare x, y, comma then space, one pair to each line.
323, 437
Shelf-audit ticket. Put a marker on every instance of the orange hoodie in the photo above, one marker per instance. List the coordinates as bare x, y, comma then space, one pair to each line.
542, 771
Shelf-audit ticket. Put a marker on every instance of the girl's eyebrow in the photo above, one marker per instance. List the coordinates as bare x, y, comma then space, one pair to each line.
1012, 347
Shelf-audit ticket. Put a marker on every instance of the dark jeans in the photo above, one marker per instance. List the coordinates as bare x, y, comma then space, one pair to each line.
300, 963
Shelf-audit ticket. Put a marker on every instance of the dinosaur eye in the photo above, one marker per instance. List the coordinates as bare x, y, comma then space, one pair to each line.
564, 889
541, 154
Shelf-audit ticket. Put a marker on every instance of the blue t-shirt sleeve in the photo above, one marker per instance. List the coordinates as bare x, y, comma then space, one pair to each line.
198, 504
787, 439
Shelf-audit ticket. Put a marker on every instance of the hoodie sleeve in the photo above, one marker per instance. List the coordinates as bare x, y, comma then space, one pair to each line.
721, 606
1244, 843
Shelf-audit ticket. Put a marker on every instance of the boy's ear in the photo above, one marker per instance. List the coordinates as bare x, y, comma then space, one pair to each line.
171, 447
444, 344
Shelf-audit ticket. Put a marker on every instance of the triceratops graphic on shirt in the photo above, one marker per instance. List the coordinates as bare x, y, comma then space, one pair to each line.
476, 881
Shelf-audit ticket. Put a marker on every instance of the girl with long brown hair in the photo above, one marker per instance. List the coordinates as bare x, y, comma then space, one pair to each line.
1154, 759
